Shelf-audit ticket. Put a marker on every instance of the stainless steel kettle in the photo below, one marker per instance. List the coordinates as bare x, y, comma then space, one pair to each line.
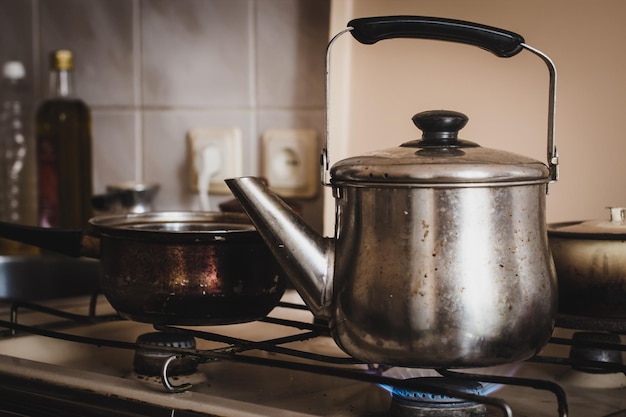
440, 256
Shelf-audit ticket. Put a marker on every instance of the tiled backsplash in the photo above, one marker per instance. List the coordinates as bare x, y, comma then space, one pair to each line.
151, 70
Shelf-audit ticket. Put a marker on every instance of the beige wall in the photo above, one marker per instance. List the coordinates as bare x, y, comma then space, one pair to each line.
376, 89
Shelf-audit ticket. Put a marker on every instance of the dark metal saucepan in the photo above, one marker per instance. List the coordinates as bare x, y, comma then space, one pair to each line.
183, 268
590, 260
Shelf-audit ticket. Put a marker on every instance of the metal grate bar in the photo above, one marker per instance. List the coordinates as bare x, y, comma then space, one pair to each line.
588, 344
553, 360
539, 384
79, 318
271, 345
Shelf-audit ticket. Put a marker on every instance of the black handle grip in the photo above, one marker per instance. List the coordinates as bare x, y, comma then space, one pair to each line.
502, 43
64, 241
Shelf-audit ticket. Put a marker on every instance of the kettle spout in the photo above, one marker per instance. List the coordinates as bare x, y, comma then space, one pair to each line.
304, 255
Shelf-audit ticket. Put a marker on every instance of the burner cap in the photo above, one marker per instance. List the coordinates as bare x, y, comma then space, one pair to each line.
581, 353
150, 361
410, 403
462, 385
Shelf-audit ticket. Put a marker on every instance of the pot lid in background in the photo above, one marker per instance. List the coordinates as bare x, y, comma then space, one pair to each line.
613, 228
440, 158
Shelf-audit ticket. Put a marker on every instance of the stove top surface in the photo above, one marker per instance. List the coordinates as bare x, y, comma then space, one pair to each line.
227, 388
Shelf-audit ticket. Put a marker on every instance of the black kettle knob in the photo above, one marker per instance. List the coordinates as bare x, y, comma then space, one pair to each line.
440, 127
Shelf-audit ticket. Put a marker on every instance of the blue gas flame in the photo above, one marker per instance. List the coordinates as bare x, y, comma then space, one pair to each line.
487, 387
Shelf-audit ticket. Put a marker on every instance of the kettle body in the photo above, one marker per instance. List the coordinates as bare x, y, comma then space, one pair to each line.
437, 277
440, 256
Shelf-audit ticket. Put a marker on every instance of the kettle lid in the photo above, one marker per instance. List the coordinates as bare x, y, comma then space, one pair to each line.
440, 158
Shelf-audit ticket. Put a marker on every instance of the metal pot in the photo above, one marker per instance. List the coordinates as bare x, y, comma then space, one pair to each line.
440, 256
182, 268
590, 260
126, 197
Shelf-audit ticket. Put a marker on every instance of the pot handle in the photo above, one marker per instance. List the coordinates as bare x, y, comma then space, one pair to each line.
502, 43
65, 241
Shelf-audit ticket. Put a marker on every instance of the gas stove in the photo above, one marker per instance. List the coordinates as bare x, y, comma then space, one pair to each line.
77, 354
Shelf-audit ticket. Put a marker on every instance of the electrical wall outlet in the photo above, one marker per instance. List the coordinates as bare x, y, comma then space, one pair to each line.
219, 147
290, 158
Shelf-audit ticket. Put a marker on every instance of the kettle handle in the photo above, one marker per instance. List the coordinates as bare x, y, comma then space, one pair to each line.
370, 30
502, 43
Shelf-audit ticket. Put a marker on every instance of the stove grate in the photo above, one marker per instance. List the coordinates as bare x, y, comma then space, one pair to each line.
240, 350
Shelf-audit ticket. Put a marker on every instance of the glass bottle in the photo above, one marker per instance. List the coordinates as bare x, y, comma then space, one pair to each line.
15, 130
12, 141
63, 136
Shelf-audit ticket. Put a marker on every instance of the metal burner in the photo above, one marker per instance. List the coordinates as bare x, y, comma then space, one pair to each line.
150, 361
406, 403
594, 363
582, 354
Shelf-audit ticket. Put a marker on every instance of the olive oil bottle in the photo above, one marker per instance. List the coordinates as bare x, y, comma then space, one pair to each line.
63, 132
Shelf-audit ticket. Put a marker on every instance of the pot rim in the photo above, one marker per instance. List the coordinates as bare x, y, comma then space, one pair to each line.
560, 230
612, 229
176, 227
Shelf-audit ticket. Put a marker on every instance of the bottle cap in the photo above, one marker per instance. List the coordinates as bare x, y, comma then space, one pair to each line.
13, 70
61, 59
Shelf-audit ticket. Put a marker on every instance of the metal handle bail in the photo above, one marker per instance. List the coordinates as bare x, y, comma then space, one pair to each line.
502, 43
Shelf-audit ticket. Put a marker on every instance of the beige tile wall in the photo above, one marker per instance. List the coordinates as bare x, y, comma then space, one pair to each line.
153, 69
